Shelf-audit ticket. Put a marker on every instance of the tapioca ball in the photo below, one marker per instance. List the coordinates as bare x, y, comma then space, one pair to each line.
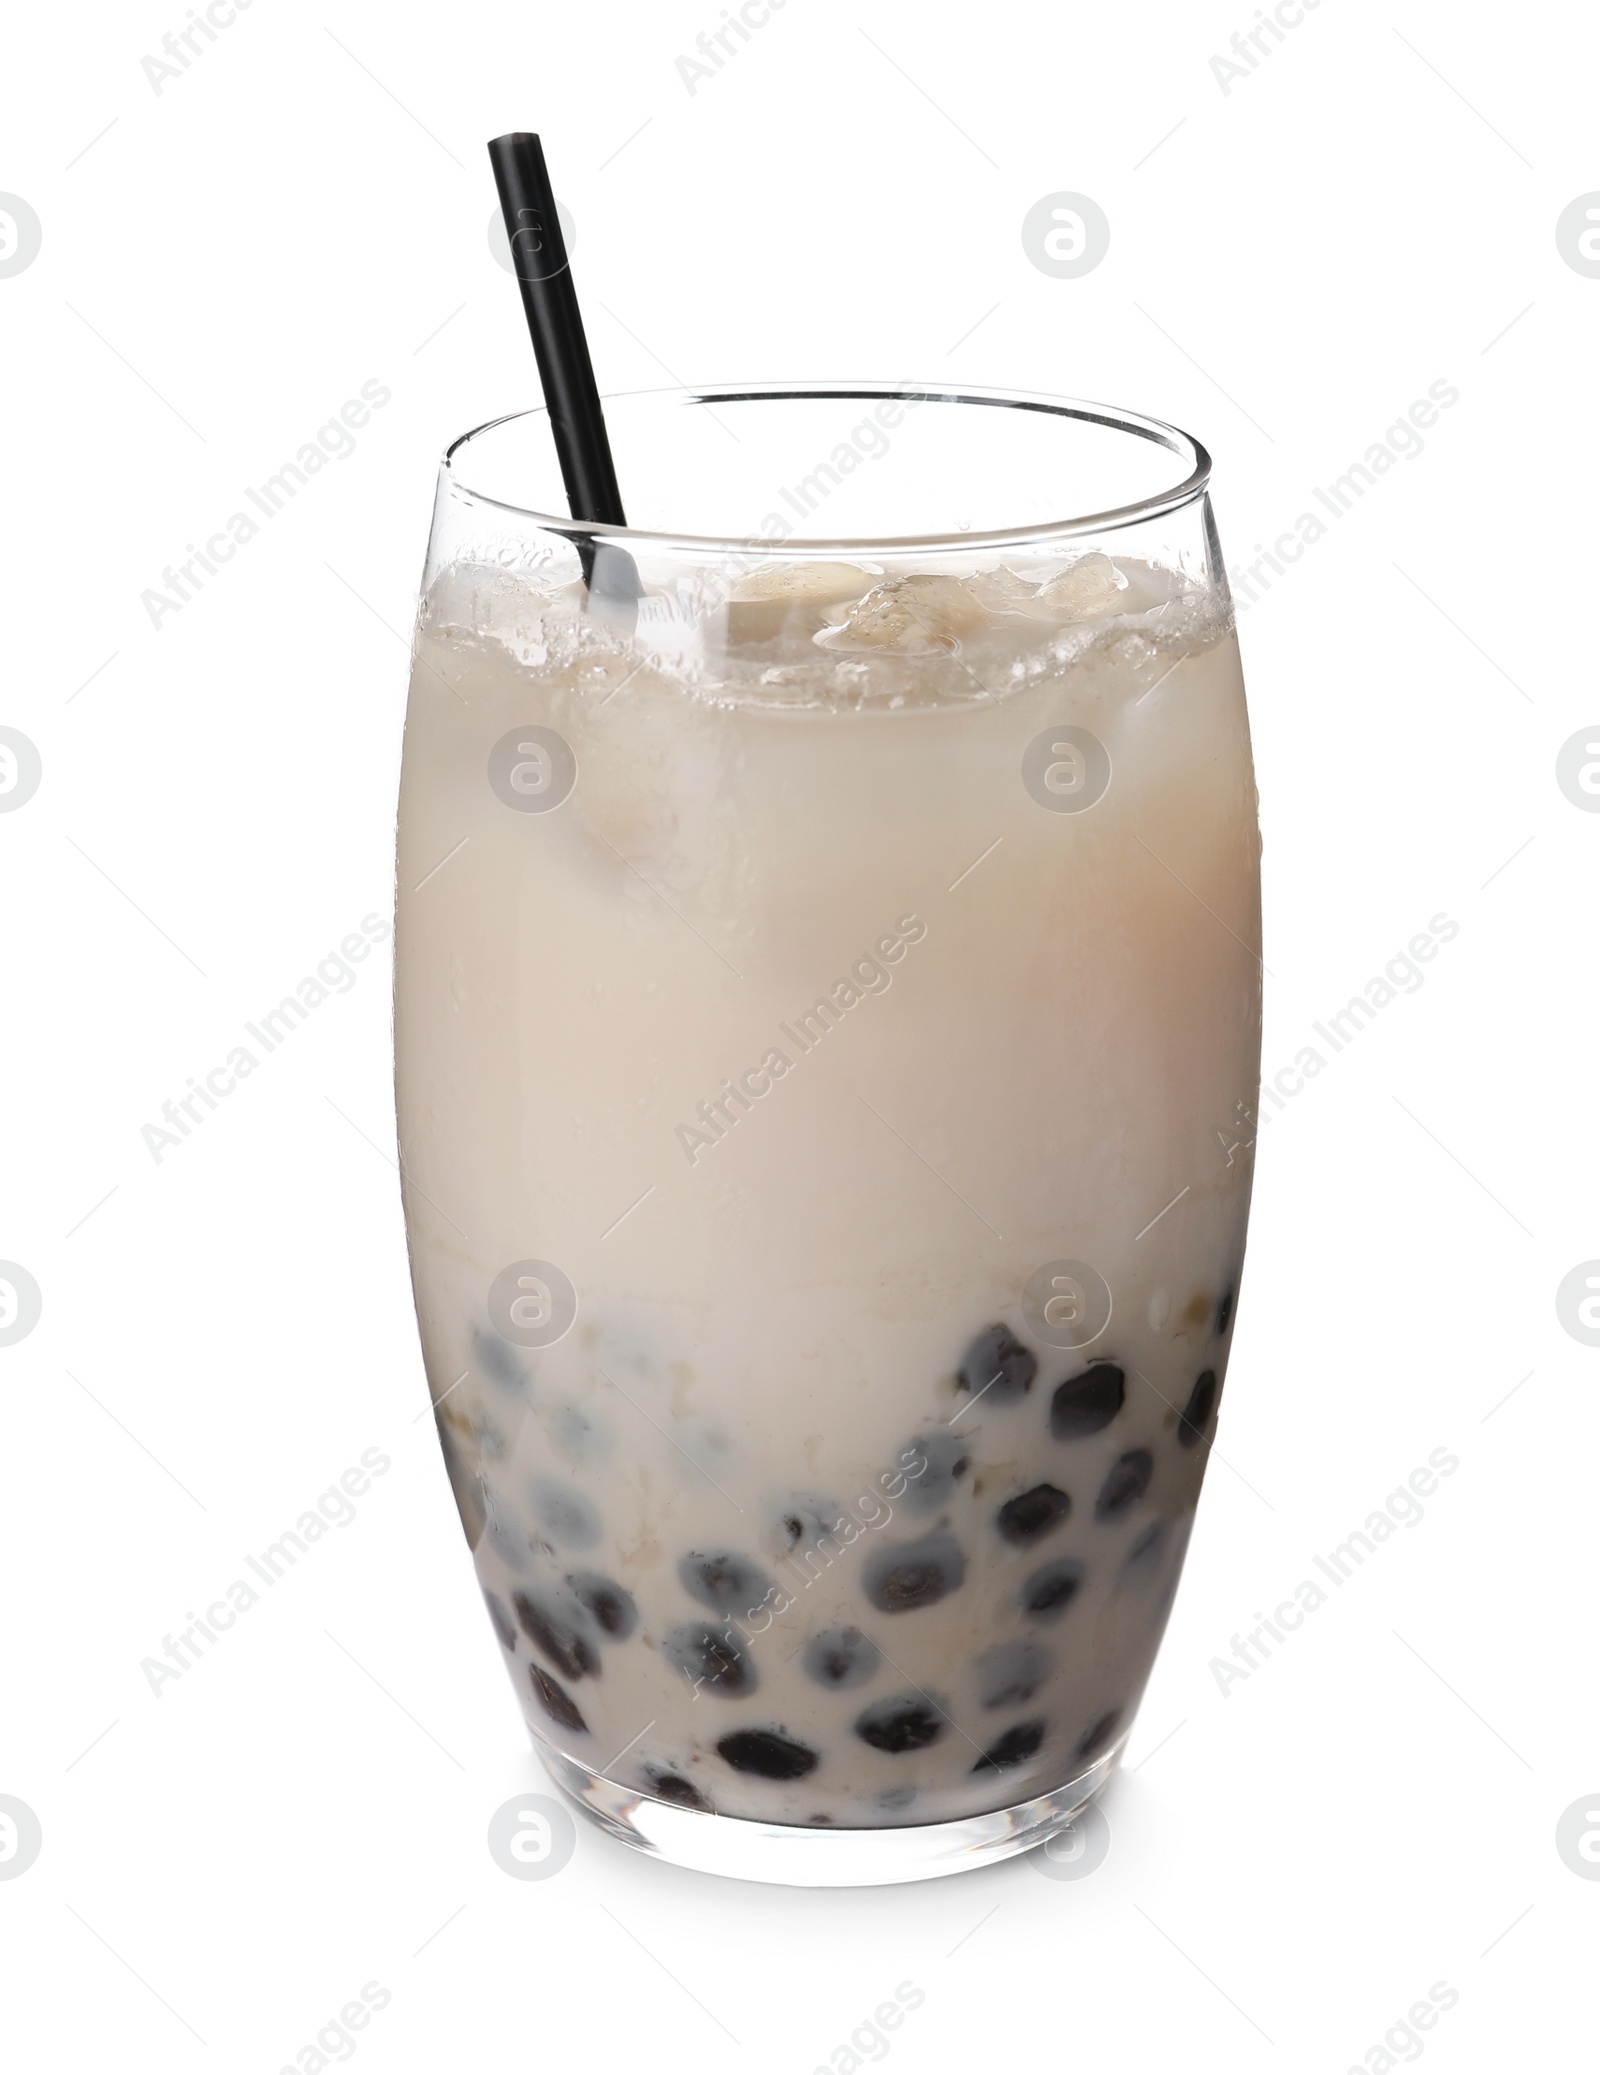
712, 1661
723, 1581
1014, 1746
944, 1459
1084, 1404
914, 1574
566, 1516
556, 1701
1197, 1413
1146, 1551
906, 1722
612, 1607
1032, 1514
997, 1367
1097, 1737
1011, 1673
840, 1657
804, 1521
561, 1633
1126, 1483
673, 1787
1051, 1589
768, 1753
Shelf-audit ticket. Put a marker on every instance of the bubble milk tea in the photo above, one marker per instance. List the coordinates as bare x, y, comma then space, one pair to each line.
826, 1012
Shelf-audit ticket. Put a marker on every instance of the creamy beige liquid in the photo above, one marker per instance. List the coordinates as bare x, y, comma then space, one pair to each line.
742, 1526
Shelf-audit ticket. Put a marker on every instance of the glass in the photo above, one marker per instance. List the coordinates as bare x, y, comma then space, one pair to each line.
827, 1023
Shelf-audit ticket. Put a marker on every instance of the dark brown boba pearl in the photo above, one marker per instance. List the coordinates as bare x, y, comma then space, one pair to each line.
840, 1657
1011, 1673
556, 1701
1224, 1313
997, 1367
602, 1597
768, 1753
673, 1787
504, 1626
1197, 1413
1032, 1514
510, 1544
1052, 1589
496, 1360
942, 1461
724, 1582
559, 1635
710, 1660
1014, 1747
806, 1521
1145, 1553
908, 1722
1097, 1737
565, 1516
913, 1574
1126, 1483
1084, 1404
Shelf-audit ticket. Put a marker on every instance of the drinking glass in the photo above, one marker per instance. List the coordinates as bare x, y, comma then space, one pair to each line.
827, 1020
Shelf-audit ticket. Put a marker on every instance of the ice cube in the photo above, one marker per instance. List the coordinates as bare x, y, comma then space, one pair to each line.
522, 609
789, 598
912, 615
1084, 590
1001, 590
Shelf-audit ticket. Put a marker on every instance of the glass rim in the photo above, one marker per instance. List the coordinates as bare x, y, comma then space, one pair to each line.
1191, 454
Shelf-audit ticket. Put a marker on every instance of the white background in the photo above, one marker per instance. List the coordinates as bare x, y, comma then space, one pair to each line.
1292, 263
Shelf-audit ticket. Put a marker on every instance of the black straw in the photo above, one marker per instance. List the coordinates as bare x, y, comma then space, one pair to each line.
539, 259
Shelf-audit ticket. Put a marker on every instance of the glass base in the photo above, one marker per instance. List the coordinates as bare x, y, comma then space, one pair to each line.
791, 1855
